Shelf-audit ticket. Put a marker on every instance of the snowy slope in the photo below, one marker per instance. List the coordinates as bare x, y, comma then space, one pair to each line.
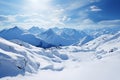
92, 45
17, 33
105, 69
96, 60
112, 45
102, 40
83, 40
82, 64
17, 59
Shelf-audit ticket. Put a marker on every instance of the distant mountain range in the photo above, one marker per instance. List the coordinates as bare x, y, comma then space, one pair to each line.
55, 37
106, 30
20, 34
63, 38
36, 30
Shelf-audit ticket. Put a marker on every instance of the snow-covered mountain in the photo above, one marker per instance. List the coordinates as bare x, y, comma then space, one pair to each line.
72, 33
111, 45
17, 33
93, 44
63, 36
51, 37
69, 33
101, 31
84, 58
36, 30
76, 35
103, 42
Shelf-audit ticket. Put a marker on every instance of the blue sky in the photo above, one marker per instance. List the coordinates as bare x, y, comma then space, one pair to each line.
59, 13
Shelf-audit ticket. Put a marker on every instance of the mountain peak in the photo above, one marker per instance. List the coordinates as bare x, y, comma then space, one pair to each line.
34, 28
16, 28
50, 31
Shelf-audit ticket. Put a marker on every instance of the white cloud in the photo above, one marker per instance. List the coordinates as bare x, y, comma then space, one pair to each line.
7, 18
42, 13
95, 8
87, 23
36, 6
110, 23
48, 17
75, 4
92, 1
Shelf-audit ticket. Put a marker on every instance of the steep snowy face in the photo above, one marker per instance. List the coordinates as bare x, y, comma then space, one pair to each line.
11, 33
36, 30
75, 35
51, 37
48, 33
69, 33
72, 33
17, 33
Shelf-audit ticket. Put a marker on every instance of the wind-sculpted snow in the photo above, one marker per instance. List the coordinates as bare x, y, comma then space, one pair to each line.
20, 57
